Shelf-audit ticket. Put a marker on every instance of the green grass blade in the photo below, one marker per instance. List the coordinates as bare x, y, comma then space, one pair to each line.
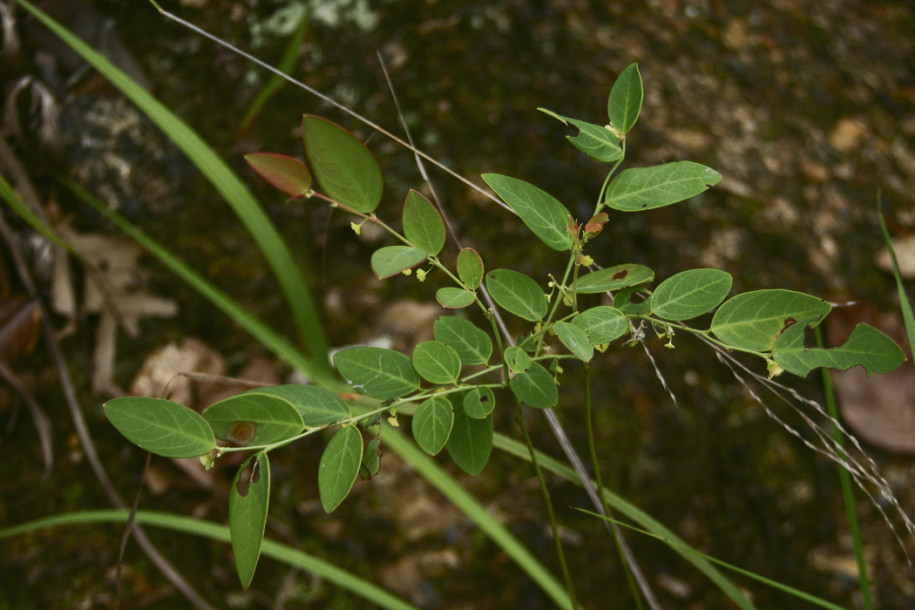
462, 499
904, 303
268, 337
224, 181
622, 506
691, 551
276, 82
215, 531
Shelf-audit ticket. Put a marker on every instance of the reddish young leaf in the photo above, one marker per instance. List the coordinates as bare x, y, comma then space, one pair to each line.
285, 173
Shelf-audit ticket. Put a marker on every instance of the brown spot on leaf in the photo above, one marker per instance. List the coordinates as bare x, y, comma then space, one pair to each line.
621, 274
242, 432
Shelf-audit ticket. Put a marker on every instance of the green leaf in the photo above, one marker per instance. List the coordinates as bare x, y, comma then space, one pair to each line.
470, 268
602, 324
377, 372
317, 406
345, 169
391, 260
249, 498
472, 344
254, 418
454, 298
575, 339
479, 402
470, 443
613, 278
625, 101
432, 423
535, 387
339, 467
517, 293
754, 320
646, 188
371, 458
596, 141
689, 294
540, 211
866, 346
422, 224
517, 359
161, 426
436, 362
286, 173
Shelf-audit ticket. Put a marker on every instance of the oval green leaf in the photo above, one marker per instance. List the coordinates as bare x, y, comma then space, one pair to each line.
540, 211
602, 324
391, 260
317, 406
345, 169
377, 372
470, 443
691, 293
646, 188
613, 278
625, 101
517, 359
432, 423
535, 387
286, 173
339, 467
754, 320
596, 141
254, 418
517, 293
479, 402
161, 426
867, 347
470, 268
422, 224
575, 339
249, 499
436, 362
472, 344
454, 298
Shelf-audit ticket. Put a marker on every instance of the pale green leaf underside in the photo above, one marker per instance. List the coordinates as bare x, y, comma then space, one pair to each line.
596, 141
535, 387
274, 418
249, 499
575, 339
391, 260
540, 211
339, 467
517, 359
422, 224
345, 169
470, 268
432, 423
317, 406
436, 362
646, 188
613, 278
470, 443
691, 293
867, 347
472, 344
625, 101
377, 372
161, 426
454, 298
602, 324
754, 320
517, 294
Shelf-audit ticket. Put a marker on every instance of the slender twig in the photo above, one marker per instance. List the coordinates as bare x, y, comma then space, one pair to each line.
85, 438
39, 417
